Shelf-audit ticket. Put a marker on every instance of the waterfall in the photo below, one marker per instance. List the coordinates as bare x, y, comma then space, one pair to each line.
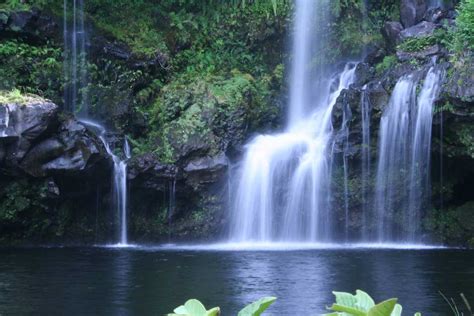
284, 180
119, 177
76, 101
404, 155
75, 63
171, 204
4, 120
346, 116
421, 152
365, 159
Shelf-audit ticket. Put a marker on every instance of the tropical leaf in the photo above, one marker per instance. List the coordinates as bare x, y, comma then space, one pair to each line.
383, 309
194, 307
258, 307
345, 299
364, 301
350, 310
397, 311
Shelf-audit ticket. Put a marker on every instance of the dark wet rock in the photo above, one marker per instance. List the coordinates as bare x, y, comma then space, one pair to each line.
72, 150
422, 29
412, 11
205, 170
23, 122
423, 54
147, 172
53, 188
363, 74
435, 15
459, 89
32, 24
391, 32
375, 56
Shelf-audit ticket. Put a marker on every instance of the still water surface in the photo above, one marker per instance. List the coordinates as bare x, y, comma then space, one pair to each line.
152, 281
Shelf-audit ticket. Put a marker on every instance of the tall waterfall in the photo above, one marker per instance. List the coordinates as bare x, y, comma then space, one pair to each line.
284, 180
403, 171
76, 101
75, 63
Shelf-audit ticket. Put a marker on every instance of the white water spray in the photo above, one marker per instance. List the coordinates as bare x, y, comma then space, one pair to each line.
404, 158
285, 178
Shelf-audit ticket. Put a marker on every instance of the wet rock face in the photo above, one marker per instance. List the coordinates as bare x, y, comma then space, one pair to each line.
32, 24
412, 11
73, 150
391, 32
35, 141
206, 170
22, 123
422, 29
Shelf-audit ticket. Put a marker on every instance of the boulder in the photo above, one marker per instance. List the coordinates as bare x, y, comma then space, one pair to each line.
412, 11
391, 32
420, 30
72, 150
23, 121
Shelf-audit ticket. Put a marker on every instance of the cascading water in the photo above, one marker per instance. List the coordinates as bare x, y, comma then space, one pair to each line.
119, 178
4, 120
284, 180
365, 159
76, 101
346, 116
421, 152
75, 65
404, 155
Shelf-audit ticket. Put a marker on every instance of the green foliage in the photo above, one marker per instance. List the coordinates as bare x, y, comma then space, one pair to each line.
463, 34
354, 26
15, 96
387, 63
455, 224
194, 307
258, 307
361, 304
32, 69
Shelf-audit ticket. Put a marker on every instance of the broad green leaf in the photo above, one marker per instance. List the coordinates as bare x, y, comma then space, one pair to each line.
346, 309
345, 299
417, 314
364, 301
397, 311
258, 307
383, 309
180, 310
216, 311
192, 308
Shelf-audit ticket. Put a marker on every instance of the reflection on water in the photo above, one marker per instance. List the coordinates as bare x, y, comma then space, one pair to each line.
152, 281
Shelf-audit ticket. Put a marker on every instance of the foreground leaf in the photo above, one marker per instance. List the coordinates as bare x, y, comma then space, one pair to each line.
383, 309
350, 310
258, 307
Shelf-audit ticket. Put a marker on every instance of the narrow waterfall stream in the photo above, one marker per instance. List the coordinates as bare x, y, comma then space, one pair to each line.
366, 163
404, 145
76, 101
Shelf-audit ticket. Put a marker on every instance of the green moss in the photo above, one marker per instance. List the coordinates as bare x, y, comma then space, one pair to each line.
387, 63
15, 96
